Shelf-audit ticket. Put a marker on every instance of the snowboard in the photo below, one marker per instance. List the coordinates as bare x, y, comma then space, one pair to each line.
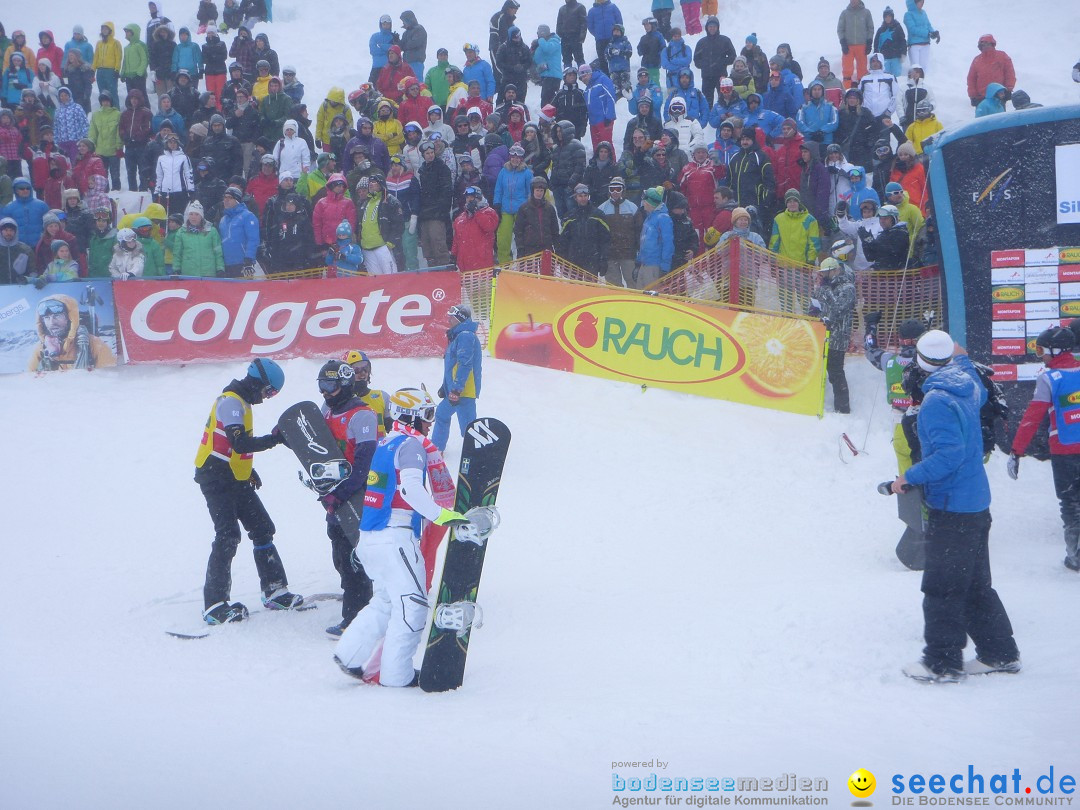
911, 549
482, 458
204, 630
324, 466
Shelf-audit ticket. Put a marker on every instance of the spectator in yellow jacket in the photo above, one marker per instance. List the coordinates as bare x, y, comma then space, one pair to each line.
924, 125
333, 105
387, 128
108, 56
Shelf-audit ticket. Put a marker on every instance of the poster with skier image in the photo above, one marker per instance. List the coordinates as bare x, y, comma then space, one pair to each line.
62, 326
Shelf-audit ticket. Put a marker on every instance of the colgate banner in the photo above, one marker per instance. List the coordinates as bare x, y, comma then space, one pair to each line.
191, 321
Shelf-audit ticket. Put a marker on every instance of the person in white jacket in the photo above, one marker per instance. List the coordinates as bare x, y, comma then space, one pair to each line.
47, 84
291, 151
690, 133
850, 228
437, 124
878, 87
173, 175
128, 257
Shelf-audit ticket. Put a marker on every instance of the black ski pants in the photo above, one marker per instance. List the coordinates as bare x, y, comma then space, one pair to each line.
834, 365
1066, 468
958, 598
572, 54
232, 503
356, 585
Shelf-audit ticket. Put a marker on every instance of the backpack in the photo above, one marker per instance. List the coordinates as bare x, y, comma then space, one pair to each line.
995, 408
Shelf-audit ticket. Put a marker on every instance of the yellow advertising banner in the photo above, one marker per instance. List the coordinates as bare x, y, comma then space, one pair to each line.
757, 358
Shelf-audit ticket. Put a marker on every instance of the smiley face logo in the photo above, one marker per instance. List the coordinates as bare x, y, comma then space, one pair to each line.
862, 783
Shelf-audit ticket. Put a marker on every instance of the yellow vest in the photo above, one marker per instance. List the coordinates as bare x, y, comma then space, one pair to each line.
376, 400
215, 443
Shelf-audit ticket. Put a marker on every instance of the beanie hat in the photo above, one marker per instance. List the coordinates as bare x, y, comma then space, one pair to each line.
739, 212
726, 82
654, 195
823, 61
217, 118
50, 218
78, 29
934, 350
56, 244
888, 10
543, 31
752, 39
906, 149
539, 181
581, 188
235, 193
893, 187
792, 194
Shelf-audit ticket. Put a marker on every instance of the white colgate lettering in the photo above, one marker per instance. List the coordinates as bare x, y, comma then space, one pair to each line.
276, 326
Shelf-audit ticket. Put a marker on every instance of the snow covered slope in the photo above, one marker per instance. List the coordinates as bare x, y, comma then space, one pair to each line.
675, 577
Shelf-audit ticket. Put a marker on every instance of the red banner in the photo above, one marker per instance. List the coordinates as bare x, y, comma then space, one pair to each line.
401, 315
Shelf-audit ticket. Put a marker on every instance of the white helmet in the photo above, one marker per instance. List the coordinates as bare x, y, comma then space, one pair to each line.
410, 404
842, 249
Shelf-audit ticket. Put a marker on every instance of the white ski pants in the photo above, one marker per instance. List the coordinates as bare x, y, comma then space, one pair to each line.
397, 611
379, 261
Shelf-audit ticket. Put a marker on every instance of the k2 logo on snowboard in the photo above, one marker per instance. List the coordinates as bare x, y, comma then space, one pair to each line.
482, 433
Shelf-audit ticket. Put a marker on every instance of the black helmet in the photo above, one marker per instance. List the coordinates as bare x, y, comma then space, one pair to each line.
1057, 339
335, 380
912, 381
911, 329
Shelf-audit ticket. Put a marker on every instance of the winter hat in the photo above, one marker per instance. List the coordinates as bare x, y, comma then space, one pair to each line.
616, 181
50, 218
566, 71
585, 70
654, 196
70, 192
677, 103
712, 21
288, 69
739, 212
752, 39
128, 235
823, 62
789, 122
384, 19
739, 59
792, 194
198, 129
262, 63
727, 124
286, 175
833, 149
323, 159
581, 188
539, 181
517, 150
56, 244
217, 118
934, 350
988, 38
888, 12
893, 188
78, 29
211, 28
543, 31
194, 207
906, 149
235, 193
268, 159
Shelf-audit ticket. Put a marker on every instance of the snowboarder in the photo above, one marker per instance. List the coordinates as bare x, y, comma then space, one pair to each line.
224, 473
389, 550
958, 598
355, 427
834, 301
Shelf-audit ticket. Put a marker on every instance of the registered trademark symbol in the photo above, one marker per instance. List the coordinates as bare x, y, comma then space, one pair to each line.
437, 294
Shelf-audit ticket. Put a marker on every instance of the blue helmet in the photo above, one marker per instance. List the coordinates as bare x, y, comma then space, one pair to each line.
344, 230
268, 374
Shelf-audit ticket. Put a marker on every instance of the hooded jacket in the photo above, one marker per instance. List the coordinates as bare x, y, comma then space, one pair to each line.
136, 119
70, 123
463, 360
548, 57
568, 160
990, 105
51, 52
391, 76
990, 66
600, 98
602, 17
656, 245
105, 130
333, 105
879, 89
27, 213
536, 227
108, 55
818, 119
291, 152
951, 472
796, 236
197, 252
769, 122
814, 183
413, 39
918, 25
514, 59
78, 348
331, 211
187, 55
856, 25
750, 175
17, 259
127, 264
136, 56
239, 231
474, 239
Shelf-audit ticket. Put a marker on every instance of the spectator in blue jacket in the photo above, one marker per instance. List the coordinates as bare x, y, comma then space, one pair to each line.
817, 119
726, 146
512, 189
477, 69
188, 56
919, 33
789, 81
646, 88
26, 210
766, 120
728, 104
602, 18
239, 229
462, 372
697, 107
675, 56
958, 598
167, 113
778, 98
619, 51
80, 43
379, 46
996, 94
656, 246
600, 103
547, 56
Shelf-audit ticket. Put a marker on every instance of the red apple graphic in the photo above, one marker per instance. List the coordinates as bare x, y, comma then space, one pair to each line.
532, 343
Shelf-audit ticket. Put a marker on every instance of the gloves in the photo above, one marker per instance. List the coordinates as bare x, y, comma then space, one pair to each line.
936, 36
220, 273
864, 234
872, 319
441, 392
869, 46
498, 209
249, 268
448, 517
412, 224
1013, 466
318, 144
815, 308
844, 45
255, 481
975, 102
330, 502
454, 397
870, 341
278, 436
471, 206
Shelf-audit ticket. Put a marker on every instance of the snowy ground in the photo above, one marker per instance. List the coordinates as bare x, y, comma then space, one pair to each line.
675, 577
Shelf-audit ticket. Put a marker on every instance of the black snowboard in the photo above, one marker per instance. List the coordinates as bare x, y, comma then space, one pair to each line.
482, 459
911, 550
324, 466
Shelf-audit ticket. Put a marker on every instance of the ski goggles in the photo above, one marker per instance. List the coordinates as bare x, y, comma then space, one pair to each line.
51, 307
329, 386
